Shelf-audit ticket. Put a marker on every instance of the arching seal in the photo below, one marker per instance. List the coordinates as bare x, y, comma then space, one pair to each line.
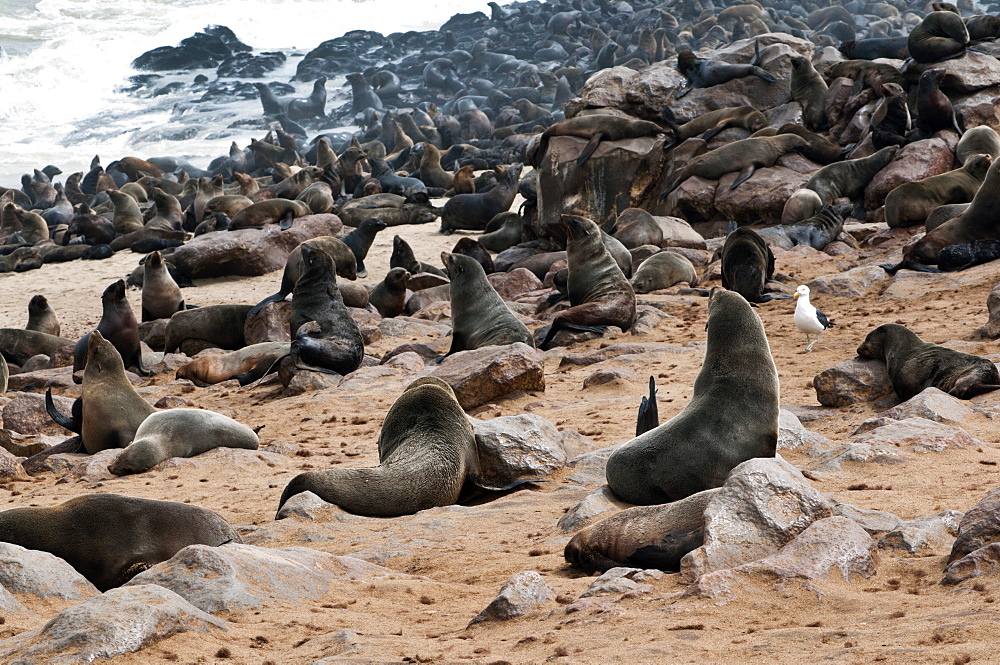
180, 433
978, 140
427, 452
915, 365
161, 296
389, 295
747, 265
662, 270
210, 326
702, 73
41, 316
240, 364
849, 178
809, 90
911, 202
599, 292
118, 326
109, 539
732, 415
508, 232
744, 156
479, 316
272, 211
643, 536
940, 36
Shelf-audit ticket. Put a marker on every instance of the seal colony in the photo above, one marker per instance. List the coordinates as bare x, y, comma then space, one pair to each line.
768, 153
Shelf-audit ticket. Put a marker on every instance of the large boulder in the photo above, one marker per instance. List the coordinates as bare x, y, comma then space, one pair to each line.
969, 74
857, 282
482, 375
852, 381
760, 199
40, 574
916, 161
979, 527
515, 447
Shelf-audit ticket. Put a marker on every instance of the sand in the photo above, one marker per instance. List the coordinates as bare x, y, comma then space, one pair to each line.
460, 557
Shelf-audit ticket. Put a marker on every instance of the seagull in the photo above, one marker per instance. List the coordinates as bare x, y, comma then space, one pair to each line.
808, 319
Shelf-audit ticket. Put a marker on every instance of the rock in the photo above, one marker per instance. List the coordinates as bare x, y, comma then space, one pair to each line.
589, 468
979, 108
119, 621
39, 380
693, 200
153, 333
249, 252
298, 381
409, 361
622, 580
602, 502
762, 506
930, 535
270, 324
610, 375
977, 563
515, 283
10, 468
760, 199
522, 593
25, 414
246, 65
979, 527
678, 233
171, 402
917, 434
40, 574
969, 74
852, 381
26, 445
991, 330
858, 282
616, 351
915, 161
932, 404
872, 521
792, 434
304, 504
239, 577
517, 447
483, 375
10, 605
436, 311
911, 285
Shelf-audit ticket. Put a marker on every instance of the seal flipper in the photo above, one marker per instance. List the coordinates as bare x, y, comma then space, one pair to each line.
684, 92
589, 149
743, 176
979, 389
714, 131
260, 371
72, 424
286, 220
33, 464
649, 417
274, 297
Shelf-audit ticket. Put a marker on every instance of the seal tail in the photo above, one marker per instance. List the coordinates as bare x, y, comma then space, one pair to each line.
59, 417
649, 417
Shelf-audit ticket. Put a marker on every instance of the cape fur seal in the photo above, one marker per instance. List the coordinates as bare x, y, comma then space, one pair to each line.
966, 255
118, 326
599, 293
915, 365
662, 270
479, 316
271, 211
389, 295
732, 415
643, 536
240, 364
802, 204
817, 232
745, 156
978, 140
809, 90
161, 296
747, 265
941, 35
4, 375
850, 177
109, 539
209, 326
708, 125
344, 262
911, 202
41, 317
180, 433
360, 240
701, 73
596, 127
18, 345
427, 452
474, 211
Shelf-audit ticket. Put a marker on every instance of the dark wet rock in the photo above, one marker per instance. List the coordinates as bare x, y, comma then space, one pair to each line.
246, 65
202, 50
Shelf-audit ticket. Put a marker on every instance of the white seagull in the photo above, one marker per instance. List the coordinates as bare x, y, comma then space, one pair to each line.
808, 319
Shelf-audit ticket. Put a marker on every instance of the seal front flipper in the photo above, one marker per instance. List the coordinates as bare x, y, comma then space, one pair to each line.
286, 221
589, 149
743, 176
72, 424
649, 417
764, 75
714, 131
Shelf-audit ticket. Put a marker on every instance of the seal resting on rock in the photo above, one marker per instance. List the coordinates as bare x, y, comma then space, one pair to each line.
915, 365
911, 202
732, 415
702, 73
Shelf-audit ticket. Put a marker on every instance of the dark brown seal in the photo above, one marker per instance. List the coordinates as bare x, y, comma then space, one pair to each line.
744, 156
118, 326
474, 211
940, 36
342, 256
389, 295
911, 202
747, 265
210, 326
41, 316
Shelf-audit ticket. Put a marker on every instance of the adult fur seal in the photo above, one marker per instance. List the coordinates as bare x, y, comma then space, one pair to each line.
109, 538
427, 452
479, 316
180, 433
118, 326
702, 73
940, 36
915, 365
911, 202
708, 125
41, 316
745, 156
210, 326
503, 232
978, 140
643, 536
599, 293
343, 258
732, 415
271, 211
18, 345
474, 211
849, 178
747, 265
597, 127
240, 364
817, 232
110, 410
809, 90
662, 270
161, 296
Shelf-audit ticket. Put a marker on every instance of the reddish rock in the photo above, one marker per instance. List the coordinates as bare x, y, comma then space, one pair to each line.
483, 375
979, 527
760, 199
515, 283
270, 324
916, 161
852, 381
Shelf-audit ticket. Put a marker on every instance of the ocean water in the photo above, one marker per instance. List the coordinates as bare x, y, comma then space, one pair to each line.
66, 60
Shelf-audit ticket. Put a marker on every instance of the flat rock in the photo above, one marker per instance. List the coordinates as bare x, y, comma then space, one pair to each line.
39, 380
919, 435
763, 505
930, 535
238, 577
760, 199
249, 252
857, 282
678, 233
590, 467
602, 502
517, 282
25, 413
305, 505
523, 592
872, 521
910, 285
119, 621
932, 404
969, 74
517, 447
979, 527
483, 375
42, 575
852, 381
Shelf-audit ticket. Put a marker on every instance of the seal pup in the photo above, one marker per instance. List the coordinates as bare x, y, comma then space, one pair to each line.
911, 202
243, 364
966, 255
915, 365
180, 433
118, 326
389, 295
807, 318
809, 90
479, 316
934, 109
596, 128
599, 293
708, 125
41, 317
642, 536
360, 240
747, 266
744, 156
272, 211
427, 453
941, 35
161, 296
702, 73
662, 270
732, 415
109, 538
110, 410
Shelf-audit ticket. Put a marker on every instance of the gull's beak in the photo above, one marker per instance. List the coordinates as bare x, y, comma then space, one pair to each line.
796, 295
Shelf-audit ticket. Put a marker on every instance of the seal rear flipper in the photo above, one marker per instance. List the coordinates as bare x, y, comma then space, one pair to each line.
286, 220
979, 389
260, 371
649, 417
274, 297
714, 131
743, 176
892, 269
61, 419
764, 75
589, 149
666, 555
34, 464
